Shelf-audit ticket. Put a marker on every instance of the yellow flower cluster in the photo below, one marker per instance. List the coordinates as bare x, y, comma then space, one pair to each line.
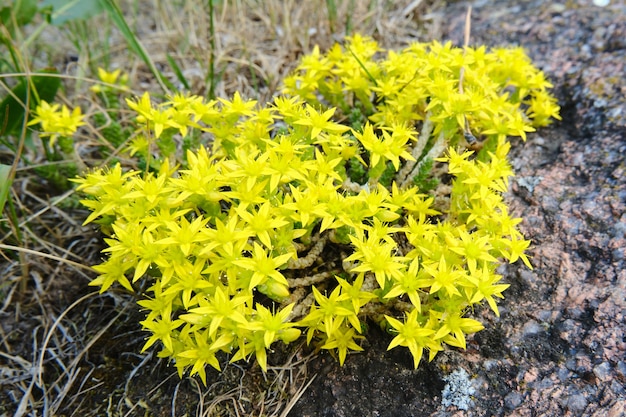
267, 229
57, 122
502, 93
110, 81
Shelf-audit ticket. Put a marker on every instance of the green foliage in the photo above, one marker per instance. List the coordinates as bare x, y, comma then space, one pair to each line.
289, 219
423, 180
5, 185
110, 129
36, 88
20, 13
57, 123
63, 11
30, 94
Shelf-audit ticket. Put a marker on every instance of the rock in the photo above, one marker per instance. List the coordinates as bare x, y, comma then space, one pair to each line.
575, 403
513, 400
602, 371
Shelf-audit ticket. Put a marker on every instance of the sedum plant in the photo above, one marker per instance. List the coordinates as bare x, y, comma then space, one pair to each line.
371, 190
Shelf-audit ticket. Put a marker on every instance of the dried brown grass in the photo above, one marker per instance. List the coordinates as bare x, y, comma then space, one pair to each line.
258, 42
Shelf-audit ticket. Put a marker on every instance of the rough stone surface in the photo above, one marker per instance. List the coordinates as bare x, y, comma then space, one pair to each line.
559, 347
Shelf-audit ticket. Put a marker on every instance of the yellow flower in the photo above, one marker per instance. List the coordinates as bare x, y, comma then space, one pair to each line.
262, 222
377, 257
444, 277
328, 311
412, 335
201, 355
237, 107
142, 106
320, 122
455, 327
281, 195
112, 78
484, 287
161, 330
390, 148
410, 283
264, 267
55, 123
273, 326
472, 248
342, 339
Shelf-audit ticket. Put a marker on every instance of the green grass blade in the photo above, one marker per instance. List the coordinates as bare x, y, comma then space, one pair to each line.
118, 18
5, 185
363, 67
211, 75
351, 8
177, 71
331, 7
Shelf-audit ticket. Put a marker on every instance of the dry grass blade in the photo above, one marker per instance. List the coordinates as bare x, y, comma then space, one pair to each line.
38, 369
46, 255
297, 396
73, 366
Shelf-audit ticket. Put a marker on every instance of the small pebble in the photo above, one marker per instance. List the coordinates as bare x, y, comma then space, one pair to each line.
544, 315
490, 364
527, 276
532, 328
618, 388
563, 374
621, 368
513, 400
544, 384
571, 364
575, 403
602, 371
